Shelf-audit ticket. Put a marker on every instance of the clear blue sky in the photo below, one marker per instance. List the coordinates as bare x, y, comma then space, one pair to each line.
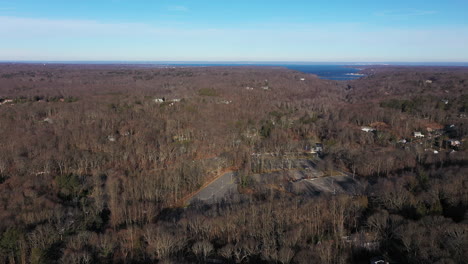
241, 30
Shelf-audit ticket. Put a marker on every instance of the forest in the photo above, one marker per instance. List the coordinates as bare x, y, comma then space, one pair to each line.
97, 163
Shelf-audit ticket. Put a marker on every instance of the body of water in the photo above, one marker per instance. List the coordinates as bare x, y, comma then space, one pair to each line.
330, 72
323, 71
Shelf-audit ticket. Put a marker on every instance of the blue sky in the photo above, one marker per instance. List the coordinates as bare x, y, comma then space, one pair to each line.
241, 30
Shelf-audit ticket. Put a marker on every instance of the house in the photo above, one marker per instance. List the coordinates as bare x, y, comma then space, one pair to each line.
249, 88
176, 100
302, 79
454, 143
265, 88
367, 129
159, 100
402, 141
418, 135
318, 147
428, 81
48, 120
111, 138
445, 101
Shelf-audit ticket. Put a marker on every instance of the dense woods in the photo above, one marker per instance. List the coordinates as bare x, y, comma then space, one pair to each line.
97, 162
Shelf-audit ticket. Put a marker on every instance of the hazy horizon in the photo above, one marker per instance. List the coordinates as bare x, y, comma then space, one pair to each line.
243, 63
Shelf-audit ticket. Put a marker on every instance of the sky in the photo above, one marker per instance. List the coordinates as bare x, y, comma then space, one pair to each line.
240, 30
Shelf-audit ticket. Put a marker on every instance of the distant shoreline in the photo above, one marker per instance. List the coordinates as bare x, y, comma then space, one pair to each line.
327, 71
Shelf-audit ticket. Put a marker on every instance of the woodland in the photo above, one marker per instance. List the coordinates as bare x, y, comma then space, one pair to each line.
97, 161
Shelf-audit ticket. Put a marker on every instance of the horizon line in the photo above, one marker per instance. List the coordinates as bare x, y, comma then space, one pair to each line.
226, 61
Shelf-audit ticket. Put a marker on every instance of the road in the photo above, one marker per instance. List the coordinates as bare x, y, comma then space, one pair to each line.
217, 190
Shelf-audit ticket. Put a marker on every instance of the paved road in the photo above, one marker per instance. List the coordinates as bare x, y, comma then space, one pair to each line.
217, 190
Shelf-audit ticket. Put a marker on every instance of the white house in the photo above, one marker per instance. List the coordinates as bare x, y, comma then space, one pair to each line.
418, 135
367, 129
302, 79
454, 143
48, 120
159, 100
7, 101
318, 147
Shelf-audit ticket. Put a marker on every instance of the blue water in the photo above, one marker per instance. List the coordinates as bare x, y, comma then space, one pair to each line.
323, 71
329, 72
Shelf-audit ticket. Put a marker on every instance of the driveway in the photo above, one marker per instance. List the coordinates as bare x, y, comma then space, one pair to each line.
217, 190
